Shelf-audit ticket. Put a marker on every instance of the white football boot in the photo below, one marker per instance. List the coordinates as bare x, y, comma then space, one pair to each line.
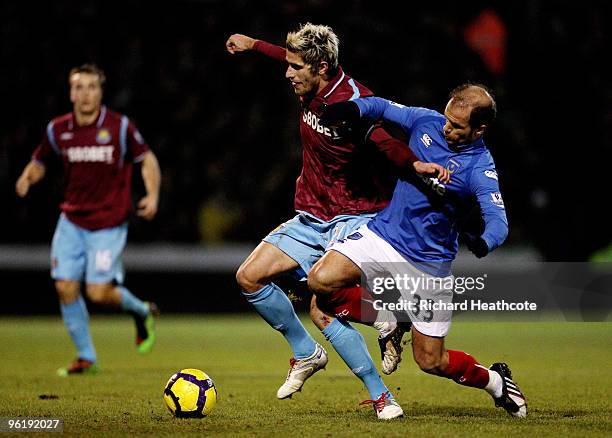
301, 370
386, 408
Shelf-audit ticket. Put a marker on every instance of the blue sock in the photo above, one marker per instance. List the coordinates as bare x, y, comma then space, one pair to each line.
276, 309
129, 303
76, 320
351, 347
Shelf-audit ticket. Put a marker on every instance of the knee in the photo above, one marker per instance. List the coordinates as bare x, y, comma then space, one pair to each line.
68, 291
320, 280
429, 360
98, 293
247, 278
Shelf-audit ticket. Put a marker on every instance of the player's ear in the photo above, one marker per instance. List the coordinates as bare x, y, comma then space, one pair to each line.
323, 68
478, 132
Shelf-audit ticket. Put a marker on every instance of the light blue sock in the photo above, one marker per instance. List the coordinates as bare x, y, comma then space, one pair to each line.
129, 303
76, 320
351, 347
276, 309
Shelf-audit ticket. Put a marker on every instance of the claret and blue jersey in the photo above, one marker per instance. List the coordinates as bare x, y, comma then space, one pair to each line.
424, 217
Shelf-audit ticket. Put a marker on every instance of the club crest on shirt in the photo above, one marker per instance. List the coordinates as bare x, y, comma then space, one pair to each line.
452, 166
104, 136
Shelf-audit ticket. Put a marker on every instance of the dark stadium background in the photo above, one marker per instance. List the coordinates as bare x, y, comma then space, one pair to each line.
225, 127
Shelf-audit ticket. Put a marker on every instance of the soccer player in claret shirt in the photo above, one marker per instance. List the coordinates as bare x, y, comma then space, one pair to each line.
416, 236
97, 148
345, 180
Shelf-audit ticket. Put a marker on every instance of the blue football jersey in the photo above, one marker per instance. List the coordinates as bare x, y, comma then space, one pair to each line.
424, 218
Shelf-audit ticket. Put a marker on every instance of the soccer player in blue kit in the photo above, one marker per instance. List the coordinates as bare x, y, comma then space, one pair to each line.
416, 235
336, 192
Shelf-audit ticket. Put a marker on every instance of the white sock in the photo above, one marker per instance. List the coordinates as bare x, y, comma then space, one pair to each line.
385, 322
495, 385
384, 327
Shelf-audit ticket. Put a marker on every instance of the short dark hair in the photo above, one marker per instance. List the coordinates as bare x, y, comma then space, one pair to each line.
91, 69
480, 98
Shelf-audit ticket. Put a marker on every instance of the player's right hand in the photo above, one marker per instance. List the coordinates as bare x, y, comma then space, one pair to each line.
22, 186
432, 169
239, 43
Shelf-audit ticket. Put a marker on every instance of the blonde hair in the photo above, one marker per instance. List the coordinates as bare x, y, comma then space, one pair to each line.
315, 43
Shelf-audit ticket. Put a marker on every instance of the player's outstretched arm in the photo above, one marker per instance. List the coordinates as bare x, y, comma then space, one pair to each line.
347, 113
242, 43
32, 173
151, 175
239, 43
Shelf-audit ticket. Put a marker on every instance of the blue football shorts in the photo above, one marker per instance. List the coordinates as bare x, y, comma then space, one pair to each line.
94, 256
305, 238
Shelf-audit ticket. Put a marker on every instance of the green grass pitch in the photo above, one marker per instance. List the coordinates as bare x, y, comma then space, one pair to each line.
563, 367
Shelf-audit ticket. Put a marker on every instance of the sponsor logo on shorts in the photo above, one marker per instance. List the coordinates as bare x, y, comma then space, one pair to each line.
354, 236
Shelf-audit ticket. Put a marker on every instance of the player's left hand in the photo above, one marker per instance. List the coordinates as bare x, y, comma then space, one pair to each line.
147, 207
476, 244
433, 169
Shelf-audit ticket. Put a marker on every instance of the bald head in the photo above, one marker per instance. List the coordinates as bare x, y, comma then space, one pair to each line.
476, 99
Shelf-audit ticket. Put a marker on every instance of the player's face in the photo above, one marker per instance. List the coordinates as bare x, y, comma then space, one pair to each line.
457, 129
85, 93
302, 78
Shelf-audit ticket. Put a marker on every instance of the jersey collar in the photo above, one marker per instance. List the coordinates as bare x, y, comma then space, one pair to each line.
332, 84
478, 144
99, 121
314, 103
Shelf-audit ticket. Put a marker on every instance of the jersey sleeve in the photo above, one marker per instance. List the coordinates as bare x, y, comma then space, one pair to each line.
398, 152
48, 147
485, 186
137, 147
379, 108
271, 50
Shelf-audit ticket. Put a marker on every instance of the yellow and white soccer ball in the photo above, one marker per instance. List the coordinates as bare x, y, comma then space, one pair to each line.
190, 393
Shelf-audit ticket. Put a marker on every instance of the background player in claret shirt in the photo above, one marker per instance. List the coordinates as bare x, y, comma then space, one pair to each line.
416, 235
97, 148
343, 183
